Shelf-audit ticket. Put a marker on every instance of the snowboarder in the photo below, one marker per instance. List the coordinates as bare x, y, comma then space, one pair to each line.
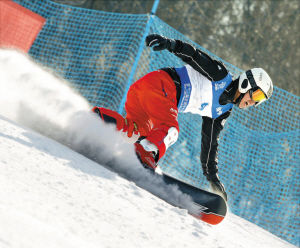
203, 86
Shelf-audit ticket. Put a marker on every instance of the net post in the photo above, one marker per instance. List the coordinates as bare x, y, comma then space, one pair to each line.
140, 51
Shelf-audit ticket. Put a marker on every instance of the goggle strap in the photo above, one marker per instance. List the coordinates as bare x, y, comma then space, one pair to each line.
238, 100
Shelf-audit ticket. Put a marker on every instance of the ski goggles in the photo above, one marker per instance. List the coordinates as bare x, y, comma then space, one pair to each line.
257, 95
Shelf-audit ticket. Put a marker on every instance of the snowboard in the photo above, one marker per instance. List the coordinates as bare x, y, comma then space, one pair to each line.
210, 208
203, 205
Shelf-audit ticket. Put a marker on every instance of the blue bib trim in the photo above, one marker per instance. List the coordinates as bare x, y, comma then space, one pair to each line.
186, 88
218, 88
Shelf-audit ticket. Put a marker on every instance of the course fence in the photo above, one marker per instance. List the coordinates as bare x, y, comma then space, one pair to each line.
102, 53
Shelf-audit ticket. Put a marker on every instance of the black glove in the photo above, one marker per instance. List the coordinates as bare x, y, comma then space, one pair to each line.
216, 184
159, 42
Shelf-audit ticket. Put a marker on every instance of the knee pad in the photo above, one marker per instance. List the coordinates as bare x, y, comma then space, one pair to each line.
163, 137
171, 137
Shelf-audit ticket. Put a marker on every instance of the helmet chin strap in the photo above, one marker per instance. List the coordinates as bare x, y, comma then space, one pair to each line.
238, 100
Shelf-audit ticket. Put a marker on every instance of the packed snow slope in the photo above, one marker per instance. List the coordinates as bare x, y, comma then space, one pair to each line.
53, 196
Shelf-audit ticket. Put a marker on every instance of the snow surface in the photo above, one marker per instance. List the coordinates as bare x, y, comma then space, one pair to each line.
52, 196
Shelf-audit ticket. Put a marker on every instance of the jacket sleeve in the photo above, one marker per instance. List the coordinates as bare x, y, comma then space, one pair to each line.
211, 129
212, 69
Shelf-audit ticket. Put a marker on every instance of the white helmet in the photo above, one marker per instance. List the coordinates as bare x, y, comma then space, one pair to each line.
256, 78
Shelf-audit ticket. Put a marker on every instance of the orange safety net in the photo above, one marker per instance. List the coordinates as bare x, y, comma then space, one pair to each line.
19, 26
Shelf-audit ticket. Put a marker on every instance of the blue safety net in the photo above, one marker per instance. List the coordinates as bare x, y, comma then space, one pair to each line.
102, 53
